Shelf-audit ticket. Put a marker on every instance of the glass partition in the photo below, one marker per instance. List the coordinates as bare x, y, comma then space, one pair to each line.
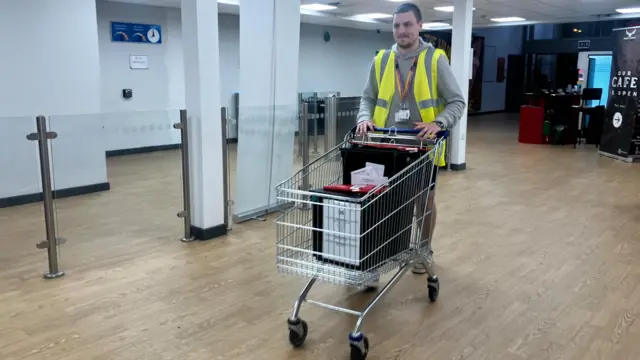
21, 215
117, 182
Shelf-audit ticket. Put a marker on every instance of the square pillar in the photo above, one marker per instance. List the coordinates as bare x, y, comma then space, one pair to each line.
202, 99
461, 67
268, 104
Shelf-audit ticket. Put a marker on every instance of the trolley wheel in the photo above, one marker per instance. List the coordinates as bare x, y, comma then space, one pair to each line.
433, 285
297, 332
359, 346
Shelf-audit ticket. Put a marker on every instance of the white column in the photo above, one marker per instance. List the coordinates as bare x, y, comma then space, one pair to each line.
460, 65
269, 52
202, 99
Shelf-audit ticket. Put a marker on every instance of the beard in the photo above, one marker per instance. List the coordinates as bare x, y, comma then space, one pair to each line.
406, 43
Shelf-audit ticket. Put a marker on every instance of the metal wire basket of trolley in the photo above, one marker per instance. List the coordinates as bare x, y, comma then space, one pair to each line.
353, 216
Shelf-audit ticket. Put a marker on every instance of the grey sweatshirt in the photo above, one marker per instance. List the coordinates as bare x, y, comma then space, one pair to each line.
448, 90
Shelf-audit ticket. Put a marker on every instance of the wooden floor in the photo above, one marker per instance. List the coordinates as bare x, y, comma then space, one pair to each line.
537, 249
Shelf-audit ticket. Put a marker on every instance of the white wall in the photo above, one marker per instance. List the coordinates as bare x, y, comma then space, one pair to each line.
49, 58
499, 42
145, 120
338, 65
50, 66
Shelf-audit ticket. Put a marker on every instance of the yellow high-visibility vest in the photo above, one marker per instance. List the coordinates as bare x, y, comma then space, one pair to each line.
425, 87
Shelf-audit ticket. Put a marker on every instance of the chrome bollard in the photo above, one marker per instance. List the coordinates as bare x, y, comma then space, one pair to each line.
51, 244
185, 214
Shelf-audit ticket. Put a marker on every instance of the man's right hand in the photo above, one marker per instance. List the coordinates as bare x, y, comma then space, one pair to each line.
364, 127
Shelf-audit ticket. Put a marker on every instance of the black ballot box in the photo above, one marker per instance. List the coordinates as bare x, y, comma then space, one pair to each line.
394, 161
360, 235
419, 176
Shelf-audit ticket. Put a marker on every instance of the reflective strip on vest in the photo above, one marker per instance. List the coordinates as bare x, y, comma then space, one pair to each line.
425, 88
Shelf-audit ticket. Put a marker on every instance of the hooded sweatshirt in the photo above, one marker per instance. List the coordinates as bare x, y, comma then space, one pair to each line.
448, 90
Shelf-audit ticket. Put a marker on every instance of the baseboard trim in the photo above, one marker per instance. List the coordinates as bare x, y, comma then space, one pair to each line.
208, 233
151, 149
458, 167
486, 113
57, 194
142, 150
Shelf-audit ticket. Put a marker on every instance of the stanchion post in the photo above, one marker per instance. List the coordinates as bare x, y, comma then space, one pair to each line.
185, 214
300, 105
52, 242
304, 130
225, 165
330, 122
316, 118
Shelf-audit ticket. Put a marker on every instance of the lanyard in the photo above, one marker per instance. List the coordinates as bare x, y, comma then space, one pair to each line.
403, 91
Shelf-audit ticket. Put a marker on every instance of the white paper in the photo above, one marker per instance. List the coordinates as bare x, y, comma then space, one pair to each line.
358, 179
371, 174
138, 62
377, 168
341, 237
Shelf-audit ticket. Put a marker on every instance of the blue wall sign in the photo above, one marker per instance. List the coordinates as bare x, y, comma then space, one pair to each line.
136, 33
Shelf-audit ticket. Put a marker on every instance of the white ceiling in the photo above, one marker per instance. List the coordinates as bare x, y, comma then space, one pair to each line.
534, 11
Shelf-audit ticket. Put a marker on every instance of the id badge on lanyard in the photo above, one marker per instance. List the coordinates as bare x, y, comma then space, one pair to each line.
404, 114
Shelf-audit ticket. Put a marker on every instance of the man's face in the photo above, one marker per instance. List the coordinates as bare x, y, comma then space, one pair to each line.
406, 29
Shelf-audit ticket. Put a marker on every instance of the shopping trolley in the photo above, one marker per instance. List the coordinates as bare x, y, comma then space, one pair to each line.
347, 234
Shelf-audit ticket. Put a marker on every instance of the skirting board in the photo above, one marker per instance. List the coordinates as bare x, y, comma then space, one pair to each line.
209, 233
150, 149
486, 113
458, 167
257, 213
142, 150
57, 194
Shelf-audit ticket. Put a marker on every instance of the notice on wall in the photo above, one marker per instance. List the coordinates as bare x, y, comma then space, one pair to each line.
136, 33
620, 132
138, 62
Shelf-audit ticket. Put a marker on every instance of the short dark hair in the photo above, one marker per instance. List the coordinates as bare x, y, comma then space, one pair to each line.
409, 7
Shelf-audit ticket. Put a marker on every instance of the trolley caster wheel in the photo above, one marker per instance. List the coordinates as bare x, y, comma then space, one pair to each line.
359, 346
433, 284
297, 332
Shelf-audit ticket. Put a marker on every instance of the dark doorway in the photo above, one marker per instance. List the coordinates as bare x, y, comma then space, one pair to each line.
566, 70
515, 83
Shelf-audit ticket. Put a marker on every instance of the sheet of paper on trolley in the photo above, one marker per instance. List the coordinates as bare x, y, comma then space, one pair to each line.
371, 174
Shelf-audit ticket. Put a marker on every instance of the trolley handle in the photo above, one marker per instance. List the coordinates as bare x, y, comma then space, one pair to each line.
442, 134
393, 131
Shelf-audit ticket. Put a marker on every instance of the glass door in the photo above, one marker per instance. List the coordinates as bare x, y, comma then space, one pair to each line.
599, 74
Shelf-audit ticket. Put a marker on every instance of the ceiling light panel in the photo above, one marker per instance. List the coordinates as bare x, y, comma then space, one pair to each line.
317, 7
508, 19
633, 10
435, 25
446, 8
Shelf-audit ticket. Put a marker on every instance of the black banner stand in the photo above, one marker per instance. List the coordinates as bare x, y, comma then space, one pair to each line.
621, 132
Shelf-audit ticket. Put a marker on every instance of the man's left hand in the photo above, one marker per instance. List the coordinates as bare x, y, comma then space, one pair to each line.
427, 130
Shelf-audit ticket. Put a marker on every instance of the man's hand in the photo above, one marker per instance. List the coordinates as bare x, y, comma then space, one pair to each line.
427, 130
363, 127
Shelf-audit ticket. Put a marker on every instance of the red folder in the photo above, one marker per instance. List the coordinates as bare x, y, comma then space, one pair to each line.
358, 189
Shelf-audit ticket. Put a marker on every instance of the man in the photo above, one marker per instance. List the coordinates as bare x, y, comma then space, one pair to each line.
412, 86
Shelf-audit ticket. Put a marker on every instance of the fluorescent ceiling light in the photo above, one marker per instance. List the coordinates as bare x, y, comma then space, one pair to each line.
508, 19
374, 16
317, 7
434, 25
632, 10
446, 8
